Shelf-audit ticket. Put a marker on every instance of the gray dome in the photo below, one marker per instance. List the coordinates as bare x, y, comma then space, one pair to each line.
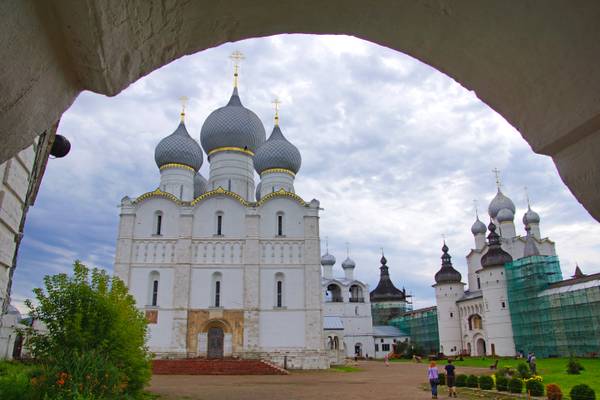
348, 263
200, 185
179, 148
499, 202
232, 126
447, 274
478, 227
495, 255
258, 191
531, 217
277, 152
327, 259
505, 215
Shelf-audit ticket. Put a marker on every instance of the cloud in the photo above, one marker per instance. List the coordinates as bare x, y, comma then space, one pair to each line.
394, 150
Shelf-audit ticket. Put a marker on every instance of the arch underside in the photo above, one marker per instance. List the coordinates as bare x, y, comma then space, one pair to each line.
534, 63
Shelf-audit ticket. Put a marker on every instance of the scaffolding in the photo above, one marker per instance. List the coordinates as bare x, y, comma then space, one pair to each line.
422, 327
551, 316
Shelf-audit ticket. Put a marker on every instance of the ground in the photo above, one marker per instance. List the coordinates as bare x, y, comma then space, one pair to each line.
372, 380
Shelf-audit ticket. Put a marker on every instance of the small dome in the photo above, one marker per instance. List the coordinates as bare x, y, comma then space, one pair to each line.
447, 274
505, 215
495, 255
232, 126
478, 227
179, 148
277, 152
200, 185
531, 217
499, 202
257, 194
348, 263
327, 259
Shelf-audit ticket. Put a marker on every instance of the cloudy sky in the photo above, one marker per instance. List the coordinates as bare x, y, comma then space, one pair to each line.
395, 151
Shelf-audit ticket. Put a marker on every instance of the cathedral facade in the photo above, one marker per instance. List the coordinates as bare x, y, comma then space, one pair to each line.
221, 267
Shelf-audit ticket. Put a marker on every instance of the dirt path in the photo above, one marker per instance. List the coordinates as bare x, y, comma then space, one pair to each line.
375, 381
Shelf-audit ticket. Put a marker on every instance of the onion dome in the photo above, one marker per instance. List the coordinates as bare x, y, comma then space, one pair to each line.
200, 185
495, 256
530, 246
499, 202
327, 259
505, 215
531, 217
478, 227
348, 263
232, 126
257, 194
277, 152
447, 274
385, 290
179, 148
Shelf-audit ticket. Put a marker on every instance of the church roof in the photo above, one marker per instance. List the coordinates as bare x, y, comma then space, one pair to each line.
277, 152
331, 323
387, 331
179, 148
385, 290
495, 255
447, 274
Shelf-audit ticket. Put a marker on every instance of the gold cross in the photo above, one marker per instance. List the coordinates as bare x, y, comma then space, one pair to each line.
236, 57
184, 101
276, 102
496, 172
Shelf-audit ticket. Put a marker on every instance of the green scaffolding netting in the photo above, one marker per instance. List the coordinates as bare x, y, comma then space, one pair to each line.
422, 327
552, 320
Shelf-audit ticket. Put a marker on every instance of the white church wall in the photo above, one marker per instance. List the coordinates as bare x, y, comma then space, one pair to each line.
160, 334
497, 322
293, 284
205, 218
232, 291
280, 329
145, 222
233, 171
140, 286
293, 218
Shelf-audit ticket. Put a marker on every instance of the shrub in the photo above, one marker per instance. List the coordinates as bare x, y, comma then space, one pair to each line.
515, 385
15, 386
523, 370
582, 392
441, 378
461, 380
486, 382
95, 341
573, 366
553, 392
534, 386
501, 383
472, 381
503, 371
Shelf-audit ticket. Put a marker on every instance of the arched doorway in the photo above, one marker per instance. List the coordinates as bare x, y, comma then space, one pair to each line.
480, 347
358, 350
469, 348
215, 342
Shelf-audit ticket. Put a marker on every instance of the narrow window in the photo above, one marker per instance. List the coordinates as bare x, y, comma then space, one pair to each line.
229, 185
478, 283
273, 189
503, 305
280, 225
376, 346
451, 315
155, 293
181, 192
217, 293
158, 224
219, 224
279, 294
385, 347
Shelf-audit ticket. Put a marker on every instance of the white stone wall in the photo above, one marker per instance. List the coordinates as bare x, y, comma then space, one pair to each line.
179, 182
275, 181
233, 171
448, 317
379, 353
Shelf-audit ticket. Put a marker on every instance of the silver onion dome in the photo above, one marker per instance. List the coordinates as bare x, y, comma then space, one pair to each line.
505, 215
531, 217
232, 126
499, 202
200, 185
179, 148
277, 152
478, 227
348, 263
327, 259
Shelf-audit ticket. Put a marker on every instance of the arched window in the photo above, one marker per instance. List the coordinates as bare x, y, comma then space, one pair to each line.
219, 223
334, 293
279, 283
279, 218
475, 322
217, 289
356, 294
153, 282
158, 219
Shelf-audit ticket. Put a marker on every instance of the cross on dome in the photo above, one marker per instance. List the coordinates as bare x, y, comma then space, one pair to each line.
276, 102
183, 100
496, 172
236, 57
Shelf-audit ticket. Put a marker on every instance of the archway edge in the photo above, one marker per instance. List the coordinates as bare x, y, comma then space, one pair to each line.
531, 62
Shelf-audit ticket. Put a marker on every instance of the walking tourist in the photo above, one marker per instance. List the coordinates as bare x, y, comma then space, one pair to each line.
386, 359
432, 375
450, 379
532, 365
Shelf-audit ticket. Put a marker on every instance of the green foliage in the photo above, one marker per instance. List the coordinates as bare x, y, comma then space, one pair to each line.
523, 370
501, 383
574, 367
486, 382
515, 385
461, 380
15, 385
582, 392
441, 378
553, 392
534, 386
95, 341
472, 381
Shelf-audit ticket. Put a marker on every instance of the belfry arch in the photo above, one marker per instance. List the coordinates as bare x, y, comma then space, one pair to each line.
535, 64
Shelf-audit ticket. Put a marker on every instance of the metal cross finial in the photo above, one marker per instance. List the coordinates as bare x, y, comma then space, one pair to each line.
276, 102
382, 251
476, 208
444, 237
327, 243
184, 101
347, 249
527, 198
236, 57
496, 172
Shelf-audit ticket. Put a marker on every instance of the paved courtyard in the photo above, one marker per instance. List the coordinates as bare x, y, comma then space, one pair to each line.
374, 381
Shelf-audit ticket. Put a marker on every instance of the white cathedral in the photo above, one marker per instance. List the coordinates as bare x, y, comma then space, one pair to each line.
477, 320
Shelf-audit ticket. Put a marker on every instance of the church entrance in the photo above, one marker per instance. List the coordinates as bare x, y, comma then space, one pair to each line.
215, 342
480, 347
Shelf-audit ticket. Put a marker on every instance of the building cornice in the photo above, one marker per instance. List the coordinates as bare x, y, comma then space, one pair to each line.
230, 148
277, 170
176, 165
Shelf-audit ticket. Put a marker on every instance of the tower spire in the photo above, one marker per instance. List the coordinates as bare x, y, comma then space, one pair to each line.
236, 57
276, 102
184, 101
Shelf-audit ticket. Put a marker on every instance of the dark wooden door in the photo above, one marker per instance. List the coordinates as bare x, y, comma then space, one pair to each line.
215, 343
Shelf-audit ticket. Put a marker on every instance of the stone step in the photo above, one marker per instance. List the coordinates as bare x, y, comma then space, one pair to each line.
201, 366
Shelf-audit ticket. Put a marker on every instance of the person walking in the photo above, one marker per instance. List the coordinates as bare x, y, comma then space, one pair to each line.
432, 375
450, 379
386, 359
532, 365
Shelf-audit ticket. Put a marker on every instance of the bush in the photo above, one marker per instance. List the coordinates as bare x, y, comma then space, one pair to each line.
573, 366
472, 381
16, 386
486, 382
534, 386
501, 383
94, 346
461, 380
582, 392
441, 378
523, 370
553, 392
515, 385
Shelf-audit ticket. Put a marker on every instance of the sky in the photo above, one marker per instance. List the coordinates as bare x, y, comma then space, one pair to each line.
395, 151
